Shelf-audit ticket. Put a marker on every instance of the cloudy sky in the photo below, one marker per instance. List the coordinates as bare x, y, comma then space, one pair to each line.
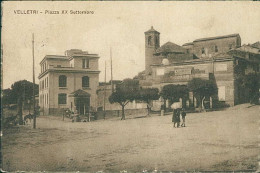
120, 25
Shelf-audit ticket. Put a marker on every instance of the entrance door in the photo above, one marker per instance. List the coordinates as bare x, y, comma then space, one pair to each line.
82, 105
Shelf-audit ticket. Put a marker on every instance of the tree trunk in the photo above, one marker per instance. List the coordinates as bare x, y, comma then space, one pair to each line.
164, 104
148, 109
202, 103
123, 113
20, 111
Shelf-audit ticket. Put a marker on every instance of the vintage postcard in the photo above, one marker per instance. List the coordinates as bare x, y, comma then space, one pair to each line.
130, 86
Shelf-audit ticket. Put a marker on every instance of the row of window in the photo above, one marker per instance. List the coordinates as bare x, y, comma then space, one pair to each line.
85, 63
43, 67
44, 99
62, 99
63, 81
44, 83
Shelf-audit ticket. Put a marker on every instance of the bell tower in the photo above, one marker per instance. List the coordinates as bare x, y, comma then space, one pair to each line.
152, 42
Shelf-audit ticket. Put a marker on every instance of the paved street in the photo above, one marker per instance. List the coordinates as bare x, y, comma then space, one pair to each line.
220, 140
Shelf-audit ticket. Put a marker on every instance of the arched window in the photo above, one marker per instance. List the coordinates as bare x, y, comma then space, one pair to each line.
85, 81
62, 81
156, 41
149, 40
216, 48
203, 50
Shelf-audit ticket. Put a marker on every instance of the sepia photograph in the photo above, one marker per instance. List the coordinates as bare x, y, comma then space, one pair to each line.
130, 86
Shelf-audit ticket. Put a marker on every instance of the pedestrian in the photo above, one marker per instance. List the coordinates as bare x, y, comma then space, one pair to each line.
183, 115
178, 120
174, 117
148, 109
162, 110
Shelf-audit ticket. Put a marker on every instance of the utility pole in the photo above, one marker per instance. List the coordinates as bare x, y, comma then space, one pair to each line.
111, 62
34, 115
105, 88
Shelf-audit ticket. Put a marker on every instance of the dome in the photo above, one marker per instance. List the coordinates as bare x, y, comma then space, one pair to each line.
165, 61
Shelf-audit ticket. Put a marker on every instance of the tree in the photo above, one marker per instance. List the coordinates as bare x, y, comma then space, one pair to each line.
201, 89
21, 91
174, 92
125, 92
148, 94
251, 82
8, 97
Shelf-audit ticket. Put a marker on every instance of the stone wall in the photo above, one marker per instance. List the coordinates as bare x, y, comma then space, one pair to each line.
118, 113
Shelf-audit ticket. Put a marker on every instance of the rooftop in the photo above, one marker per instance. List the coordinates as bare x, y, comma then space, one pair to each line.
186, 44
218, 37
256, 45
170, 47
151, 30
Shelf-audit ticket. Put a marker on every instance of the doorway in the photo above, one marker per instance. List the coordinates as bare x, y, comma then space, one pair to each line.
82, 105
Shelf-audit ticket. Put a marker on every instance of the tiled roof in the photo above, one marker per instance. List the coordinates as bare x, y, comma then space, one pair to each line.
170, 47
218, 37
186, 44
256, 45
151, 30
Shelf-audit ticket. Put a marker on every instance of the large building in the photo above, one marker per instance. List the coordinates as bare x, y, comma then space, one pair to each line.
68, 81
215, 58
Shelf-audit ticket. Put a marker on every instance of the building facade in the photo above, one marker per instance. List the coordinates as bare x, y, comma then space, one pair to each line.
68, 82
213, 58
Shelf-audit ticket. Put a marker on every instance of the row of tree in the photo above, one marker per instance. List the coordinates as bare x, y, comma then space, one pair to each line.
130, 90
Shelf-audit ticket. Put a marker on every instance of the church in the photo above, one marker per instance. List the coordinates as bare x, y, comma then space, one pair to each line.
213, 58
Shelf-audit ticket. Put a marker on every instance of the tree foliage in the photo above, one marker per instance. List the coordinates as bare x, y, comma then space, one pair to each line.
251, 81
20, 92
174, 92
24, 89
125, 92
202, 88
148, 94
8, 97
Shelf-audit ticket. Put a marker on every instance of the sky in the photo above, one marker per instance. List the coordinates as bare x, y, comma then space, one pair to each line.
119, 25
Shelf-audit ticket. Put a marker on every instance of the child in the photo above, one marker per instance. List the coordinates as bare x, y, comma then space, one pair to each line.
183, 115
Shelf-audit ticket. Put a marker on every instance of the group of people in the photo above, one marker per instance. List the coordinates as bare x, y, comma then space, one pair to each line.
176, 117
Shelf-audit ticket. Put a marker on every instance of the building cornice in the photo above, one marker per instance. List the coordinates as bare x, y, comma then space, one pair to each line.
195, 62
69, 71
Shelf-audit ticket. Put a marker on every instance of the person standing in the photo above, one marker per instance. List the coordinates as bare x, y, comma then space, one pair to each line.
178, 119
162, 110
174, 117
183, 115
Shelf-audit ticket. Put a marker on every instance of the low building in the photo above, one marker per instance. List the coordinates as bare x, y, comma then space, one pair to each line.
68, 81
104, 91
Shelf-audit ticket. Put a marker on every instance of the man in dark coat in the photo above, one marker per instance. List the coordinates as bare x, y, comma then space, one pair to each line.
175, 117
178, 119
